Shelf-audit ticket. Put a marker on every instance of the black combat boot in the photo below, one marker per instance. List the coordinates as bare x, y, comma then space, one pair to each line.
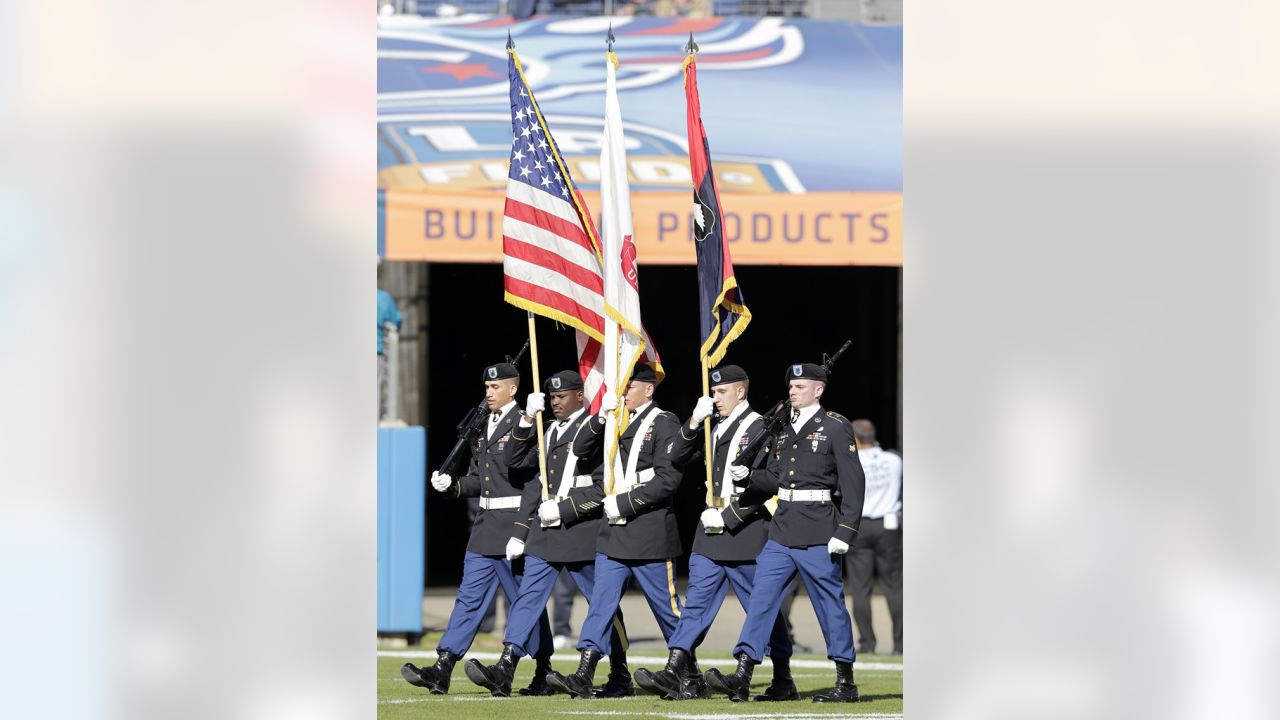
667, 681
619, 682
782, 687
434, 678
845, 690
693, 686
497, 677
579, 683
539, 685
736, 685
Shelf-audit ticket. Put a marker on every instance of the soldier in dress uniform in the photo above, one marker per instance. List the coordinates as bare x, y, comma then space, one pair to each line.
550, 535
729, 536
815, 472
486, 565
639, 538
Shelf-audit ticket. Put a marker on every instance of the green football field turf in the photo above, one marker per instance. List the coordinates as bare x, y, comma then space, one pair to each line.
880, 687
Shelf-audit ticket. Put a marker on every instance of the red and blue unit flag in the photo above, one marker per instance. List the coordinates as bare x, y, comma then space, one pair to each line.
723, 310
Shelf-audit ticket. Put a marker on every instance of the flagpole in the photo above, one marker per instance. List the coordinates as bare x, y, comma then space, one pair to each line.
614, 420
537, 384
613, 330
706, 432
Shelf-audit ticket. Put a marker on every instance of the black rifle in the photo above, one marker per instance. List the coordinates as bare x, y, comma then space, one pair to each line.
773, 421
471, 427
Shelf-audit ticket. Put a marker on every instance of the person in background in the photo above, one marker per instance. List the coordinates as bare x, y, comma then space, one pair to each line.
562, 610
632, 7
388, 319
521, 9
682, 8
877, 550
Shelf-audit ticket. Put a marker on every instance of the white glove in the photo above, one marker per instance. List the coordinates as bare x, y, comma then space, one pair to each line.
549, 512
608, 403
737, 472
611, 507
836, 546
515, 548
711, 519
703, 409
440, 481
535, 403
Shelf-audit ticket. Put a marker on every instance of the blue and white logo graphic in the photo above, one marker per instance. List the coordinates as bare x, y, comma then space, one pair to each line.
802, 105
466, 64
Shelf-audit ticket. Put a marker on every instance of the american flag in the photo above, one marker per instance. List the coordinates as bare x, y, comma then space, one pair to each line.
551, 254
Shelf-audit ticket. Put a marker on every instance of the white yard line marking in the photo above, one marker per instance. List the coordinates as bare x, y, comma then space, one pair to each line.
655, 660
739, 716
442, 699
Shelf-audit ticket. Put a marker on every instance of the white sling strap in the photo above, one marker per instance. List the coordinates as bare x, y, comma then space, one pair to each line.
727, 488
630, 479
567, 477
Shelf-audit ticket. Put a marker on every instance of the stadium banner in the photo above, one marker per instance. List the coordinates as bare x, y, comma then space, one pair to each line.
828, 228
806, 115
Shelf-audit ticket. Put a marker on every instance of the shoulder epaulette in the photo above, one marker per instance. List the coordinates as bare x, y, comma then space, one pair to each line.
837, 416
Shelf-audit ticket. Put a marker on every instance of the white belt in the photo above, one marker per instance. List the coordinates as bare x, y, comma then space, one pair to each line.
642, 477
804, 495
500, 503
579, 481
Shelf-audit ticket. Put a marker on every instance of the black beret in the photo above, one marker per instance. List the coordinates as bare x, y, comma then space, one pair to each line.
500, 371
644, 373
563, 380
727, 374
807, 371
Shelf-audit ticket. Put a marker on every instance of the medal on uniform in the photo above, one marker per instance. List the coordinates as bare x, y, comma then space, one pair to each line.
816, 437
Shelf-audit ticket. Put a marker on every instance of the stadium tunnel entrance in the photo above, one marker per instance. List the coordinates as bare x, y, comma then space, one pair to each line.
456, 322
